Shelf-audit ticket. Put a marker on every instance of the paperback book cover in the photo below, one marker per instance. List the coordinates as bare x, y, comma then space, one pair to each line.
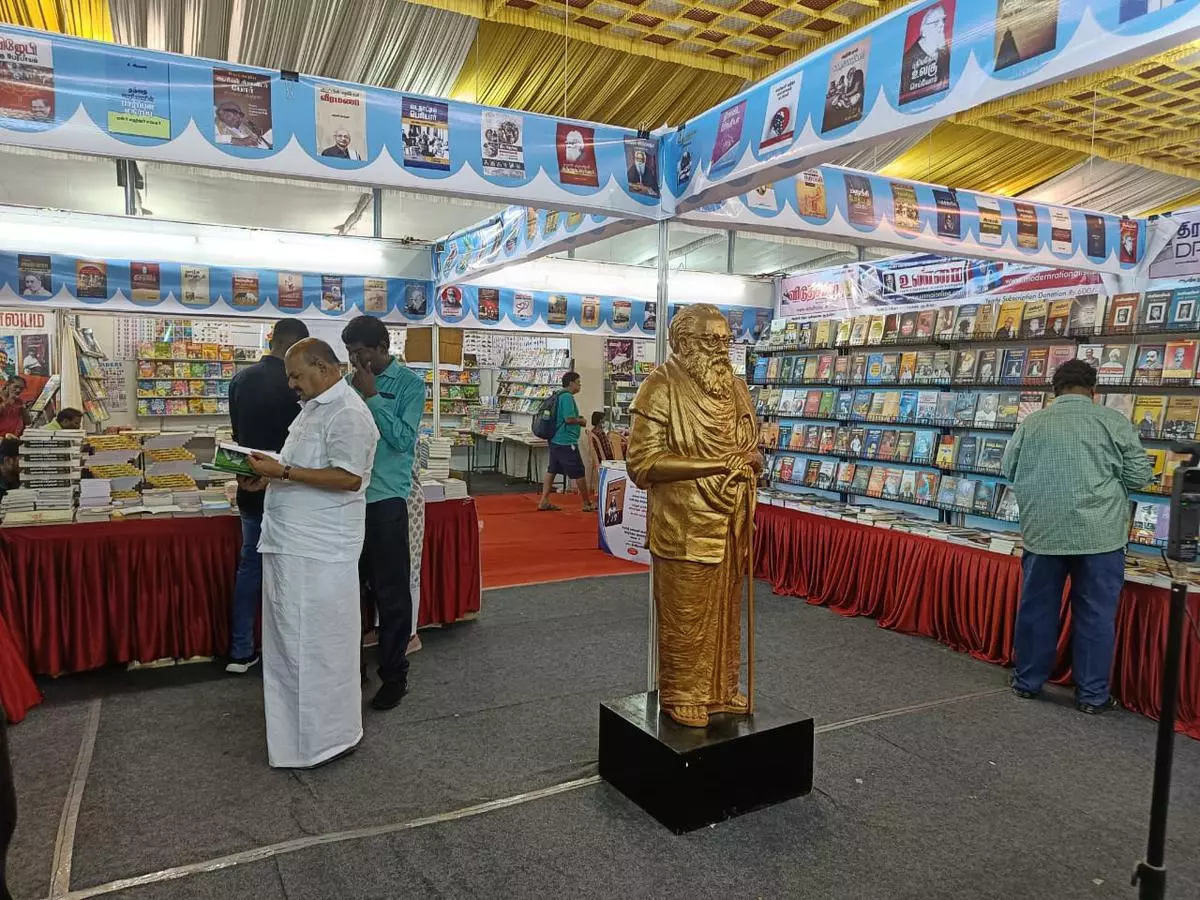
841, 441
1179, 361
946, 451
926, 319
964, 322
862, 479
1182, 316
988, 410
908, 485
923, 447
989, 366
985, 322
945, 408
234, 458
843, 332
786, 467
827, 399
1148, 411
875, 331
1031, 402
825, 474
828, 435
924, 367
891, 483
964, 368
908, 407
904, 447
1092, 354
875, 368
1086, 313
1008, 320
858, 368
812, 403
1058, 322
964, 408
1149, 367
964, 495
858, 331
943, 362
908, 326
1145, 521
1122, 403
874, 440
841, 369
967, 449
887, 446
875, 484
1035, 364
861, 406
891, 328
1117, 363
927, 483
786, 366
991, 453
947, 490
1033, 320
812, 438
845, 476
944, 326
985, 497
908, 368
825, 366
1121, 311
1153, 316
802, 334
1059, 354
927, 406
858, 441
891, 405
1006, 504
1179, 423
1009, 410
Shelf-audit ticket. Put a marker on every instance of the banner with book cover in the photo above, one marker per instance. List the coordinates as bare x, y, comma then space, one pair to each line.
172, 288
922, 281
1180, 258
69, 94
473, 306
918, 65
622, 514
519, 234
832, 202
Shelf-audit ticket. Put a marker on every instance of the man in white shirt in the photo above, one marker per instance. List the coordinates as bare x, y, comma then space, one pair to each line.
312, 536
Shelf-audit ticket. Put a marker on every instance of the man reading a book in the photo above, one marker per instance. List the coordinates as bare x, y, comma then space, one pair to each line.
262, 406
395, 398
1072, 466
312, 537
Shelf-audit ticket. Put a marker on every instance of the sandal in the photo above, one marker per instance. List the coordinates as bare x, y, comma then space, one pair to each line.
689, 715
548, 507
589, 508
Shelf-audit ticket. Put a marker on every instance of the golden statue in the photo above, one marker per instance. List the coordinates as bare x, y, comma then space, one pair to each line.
693, 448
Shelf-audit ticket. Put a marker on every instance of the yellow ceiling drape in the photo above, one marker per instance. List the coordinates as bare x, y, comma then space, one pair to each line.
523, 69
979, 160
82, 18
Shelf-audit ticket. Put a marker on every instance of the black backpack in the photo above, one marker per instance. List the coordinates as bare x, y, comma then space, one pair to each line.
545, 420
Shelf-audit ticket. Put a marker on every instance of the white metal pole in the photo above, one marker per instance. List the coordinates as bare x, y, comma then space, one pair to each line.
435, 338
660, 356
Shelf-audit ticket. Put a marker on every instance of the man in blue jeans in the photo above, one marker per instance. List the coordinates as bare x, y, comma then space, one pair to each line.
1072, 466
261, 408
564, 446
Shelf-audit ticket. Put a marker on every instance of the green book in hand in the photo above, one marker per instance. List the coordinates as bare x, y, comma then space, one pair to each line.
235, 459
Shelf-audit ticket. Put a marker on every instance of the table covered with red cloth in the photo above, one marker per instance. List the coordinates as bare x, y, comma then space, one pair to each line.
77, 597
962, 596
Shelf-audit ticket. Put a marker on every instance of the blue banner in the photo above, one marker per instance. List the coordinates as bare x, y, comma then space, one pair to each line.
832, 202
69, 94
917, 66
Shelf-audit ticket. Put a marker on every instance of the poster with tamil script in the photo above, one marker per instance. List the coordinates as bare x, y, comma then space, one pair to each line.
502, 144
341, 121
779, 121
139, 97
426, 125
242, 109
26, 77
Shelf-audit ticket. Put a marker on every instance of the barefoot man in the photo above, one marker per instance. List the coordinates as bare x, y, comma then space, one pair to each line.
693, 449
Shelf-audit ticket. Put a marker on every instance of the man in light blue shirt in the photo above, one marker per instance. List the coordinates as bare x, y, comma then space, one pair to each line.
564, 450
396, 399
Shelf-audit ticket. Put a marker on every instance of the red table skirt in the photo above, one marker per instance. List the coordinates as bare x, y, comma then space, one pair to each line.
77, 597
964, 597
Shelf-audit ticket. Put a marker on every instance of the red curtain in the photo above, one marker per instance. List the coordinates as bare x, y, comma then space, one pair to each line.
962, 596
77, 597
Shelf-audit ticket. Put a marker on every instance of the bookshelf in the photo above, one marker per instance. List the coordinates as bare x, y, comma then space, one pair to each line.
184, 378
527, 377
958, 370
91, 376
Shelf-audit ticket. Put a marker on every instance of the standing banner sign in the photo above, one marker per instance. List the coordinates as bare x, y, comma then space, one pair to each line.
622, 512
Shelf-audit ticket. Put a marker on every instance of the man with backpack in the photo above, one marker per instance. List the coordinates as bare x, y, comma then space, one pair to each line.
562, 414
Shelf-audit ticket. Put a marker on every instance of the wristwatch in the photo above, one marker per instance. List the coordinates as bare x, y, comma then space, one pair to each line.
287, 473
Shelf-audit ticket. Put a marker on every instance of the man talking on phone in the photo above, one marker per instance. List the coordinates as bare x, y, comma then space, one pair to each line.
396, 400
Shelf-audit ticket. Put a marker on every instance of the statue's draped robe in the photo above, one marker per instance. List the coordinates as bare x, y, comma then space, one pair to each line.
699, 531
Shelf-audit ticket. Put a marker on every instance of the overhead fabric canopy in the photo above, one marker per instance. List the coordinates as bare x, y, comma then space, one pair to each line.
645, 64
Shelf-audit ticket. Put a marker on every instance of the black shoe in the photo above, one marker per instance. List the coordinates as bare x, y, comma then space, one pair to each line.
390, 694
1094, 710
1021, 692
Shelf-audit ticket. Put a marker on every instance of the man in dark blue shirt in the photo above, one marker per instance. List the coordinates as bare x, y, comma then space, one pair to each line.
261, 407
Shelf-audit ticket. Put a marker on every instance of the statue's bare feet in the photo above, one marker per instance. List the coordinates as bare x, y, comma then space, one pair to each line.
737, 705
692, 716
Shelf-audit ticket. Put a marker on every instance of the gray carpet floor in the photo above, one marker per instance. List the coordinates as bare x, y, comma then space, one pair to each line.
989, 797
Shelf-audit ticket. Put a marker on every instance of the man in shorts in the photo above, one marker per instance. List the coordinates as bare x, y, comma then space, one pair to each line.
564, 452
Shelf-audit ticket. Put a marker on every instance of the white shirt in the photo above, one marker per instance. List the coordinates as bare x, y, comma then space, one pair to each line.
333, 430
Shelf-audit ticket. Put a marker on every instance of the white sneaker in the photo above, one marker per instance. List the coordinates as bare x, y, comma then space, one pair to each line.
242, 666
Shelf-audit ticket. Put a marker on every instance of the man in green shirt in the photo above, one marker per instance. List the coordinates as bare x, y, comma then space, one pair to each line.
1072, 466
564, 450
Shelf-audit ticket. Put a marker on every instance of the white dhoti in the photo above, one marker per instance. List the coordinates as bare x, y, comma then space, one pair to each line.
311, 645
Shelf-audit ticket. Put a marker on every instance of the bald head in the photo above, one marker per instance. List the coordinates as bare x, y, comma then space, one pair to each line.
312, 367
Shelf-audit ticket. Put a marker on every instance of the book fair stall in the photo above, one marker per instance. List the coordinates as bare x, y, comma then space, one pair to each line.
886, 392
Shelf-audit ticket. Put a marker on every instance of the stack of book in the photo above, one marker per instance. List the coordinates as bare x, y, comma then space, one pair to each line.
433, 489
434, 456
95, 500
159, 502
51, 465
114, 457
453, 489
189, 502
214, 502
17, 506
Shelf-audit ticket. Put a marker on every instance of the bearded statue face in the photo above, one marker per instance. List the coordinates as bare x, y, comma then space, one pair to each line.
701, 339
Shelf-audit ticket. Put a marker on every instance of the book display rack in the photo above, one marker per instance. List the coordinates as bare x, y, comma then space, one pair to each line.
889, 392
529, 376
184, 378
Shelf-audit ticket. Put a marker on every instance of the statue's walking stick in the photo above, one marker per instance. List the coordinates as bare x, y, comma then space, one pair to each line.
750, 489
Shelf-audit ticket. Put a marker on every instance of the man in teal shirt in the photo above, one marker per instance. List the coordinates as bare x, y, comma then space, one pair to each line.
1072, 466
564, 450
396, 399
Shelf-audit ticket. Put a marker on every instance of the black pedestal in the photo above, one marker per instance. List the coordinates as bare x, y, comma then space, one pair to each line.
691, 777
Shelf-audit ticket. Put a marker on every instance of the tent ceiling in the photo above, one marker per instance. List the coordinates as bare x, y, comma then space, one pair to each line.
1125, 141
